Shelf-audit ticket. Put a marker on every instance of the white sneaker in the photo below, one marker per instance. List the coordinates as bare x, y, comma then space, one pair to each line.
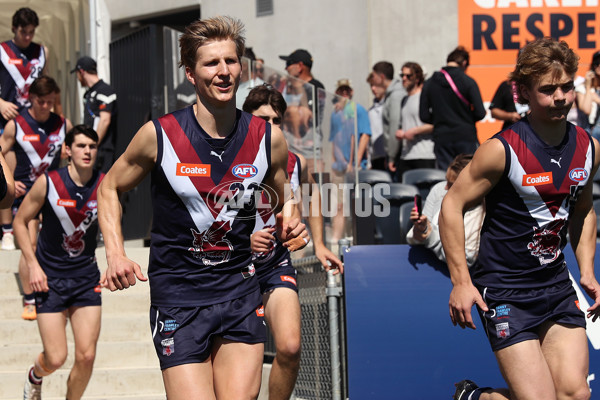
31, 391
8, 241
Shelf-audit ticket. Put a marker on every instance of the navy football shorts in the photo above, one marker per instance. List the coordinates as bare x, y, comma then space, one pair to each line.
515, 315
184, 335
64, 293
281, 275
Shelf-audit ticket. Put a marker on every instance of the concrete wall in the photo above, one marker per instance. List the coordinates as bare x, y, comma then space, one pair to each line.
345, 38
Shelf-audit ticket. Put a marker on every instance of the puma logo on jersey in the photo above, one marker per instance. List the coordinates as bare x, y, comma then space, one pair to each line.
214, 153
553, 161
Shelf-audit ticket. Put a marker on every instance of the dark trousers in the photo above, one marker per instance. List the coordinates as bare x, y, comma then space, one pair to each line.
406, 165
446, 152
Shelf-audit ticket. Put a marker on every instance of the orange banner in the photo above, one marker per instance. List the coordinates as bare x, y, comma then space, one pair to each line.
494, 30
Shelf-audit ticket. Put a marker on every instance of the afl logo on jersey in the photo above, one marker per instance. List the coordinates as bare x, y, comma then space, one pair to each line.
244, 171
578, 174
54, 138
92, 204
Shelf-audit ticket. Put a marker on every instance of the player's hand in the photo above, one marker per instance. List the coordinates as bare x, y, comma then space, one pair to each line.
409, 134
20, 189
391, 166
262, 241
399, 134
8, 110
122, 273
329, 260
37, 279
592, 288
461, 301
293, 233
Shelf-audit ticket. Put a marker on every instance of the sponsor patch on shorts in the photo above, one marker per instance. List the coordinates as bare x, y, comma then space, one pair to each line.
287, 278
502, 330
168, 346
260, 311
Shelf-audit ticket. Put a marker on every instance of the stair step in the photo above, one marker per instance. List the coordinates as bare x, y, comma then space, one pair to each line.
140, 381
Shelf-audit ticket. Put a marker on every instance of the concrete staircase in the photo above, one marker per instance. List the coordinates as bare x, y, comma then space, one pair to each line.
126, 365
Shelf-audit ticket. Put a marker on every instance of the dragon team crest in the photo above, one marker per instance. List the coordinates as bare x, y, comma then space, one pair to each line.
546, 241
211, 246
74, 244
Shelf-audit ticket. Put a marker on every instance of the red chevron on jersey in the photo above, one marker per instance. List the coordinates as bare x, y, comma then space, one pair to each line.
23, 67
22, 71
554, 192
79, 219
41, 147
184, 151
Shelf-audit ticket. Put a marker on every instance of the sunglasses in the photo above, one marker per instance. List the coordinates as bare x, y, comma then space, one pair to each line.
274, 121
407, 76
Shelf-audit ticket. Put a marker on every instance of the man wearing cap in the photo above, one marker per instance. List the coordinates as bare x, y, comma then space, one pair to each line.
300, 99
99, 110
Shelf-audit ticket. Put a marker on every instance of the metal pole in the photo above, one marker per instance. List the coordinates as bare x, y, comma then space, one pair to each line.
93, 30
334, 292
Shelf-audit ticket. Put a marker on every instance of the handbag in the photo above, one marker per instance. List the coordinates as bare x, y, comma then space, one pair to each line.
454, 88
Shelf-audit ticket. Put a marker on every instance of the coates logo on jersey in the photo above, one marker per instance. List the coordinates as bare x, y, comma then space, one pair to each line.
92, 204
546, 241
578, 174
73, 244
211, 246
537, 179
244, 171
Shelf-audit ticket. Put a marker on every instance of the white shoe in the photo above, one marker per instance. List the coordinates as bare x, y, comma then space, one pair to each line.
31, 391
8, 241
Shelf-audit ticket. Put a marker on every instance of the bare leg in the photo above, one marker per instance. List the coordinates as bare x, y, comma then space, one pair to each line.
237, 369
190, 381
54, 339
85, 322
282, 312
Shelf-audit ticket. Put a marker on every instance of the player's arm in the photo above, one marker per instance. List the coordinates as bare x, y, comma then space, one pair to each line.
127, 172
9, 196
7, 141
315, 220
478, 178
582, 233
8, 110
281, 197
29, 209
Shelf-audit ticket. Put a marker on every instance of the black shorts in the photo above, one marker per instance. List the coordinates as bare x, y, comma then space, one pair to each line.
184, 335
515, 315
64, 293
280, 275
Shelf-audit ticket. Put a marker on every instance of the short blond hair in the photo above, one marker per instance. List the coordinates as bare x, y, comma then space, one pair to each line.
200, 32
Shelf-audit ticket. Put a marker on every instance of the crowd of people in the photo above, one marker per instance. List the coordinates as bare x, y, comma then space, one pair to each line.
218, 271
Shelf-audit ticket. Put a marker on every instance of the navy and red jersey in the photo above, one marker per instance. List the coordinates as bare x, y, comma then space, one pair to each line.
204, 193
266, 219
67, 241
18, 69
528, 211
37, 146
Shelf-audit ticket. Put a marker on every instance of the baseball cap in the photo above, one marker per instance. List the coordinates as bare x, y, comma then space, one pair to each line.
298, 56
85, 63
343, 83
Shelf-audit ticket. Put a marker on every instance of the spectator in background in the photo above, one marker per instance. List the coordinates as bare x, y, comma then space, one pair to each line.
383, 74
249, 79
346, 116
588, 97
99, 110
451, 101
377, 148
417, 141
505, 104
425, 230
274, 269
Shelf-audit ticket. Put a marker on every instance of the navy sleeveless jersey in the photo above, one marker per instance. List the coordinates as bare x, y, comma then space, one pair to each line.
527, 212
37, 146
67, 241
266, 219
204, 200
18, 69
